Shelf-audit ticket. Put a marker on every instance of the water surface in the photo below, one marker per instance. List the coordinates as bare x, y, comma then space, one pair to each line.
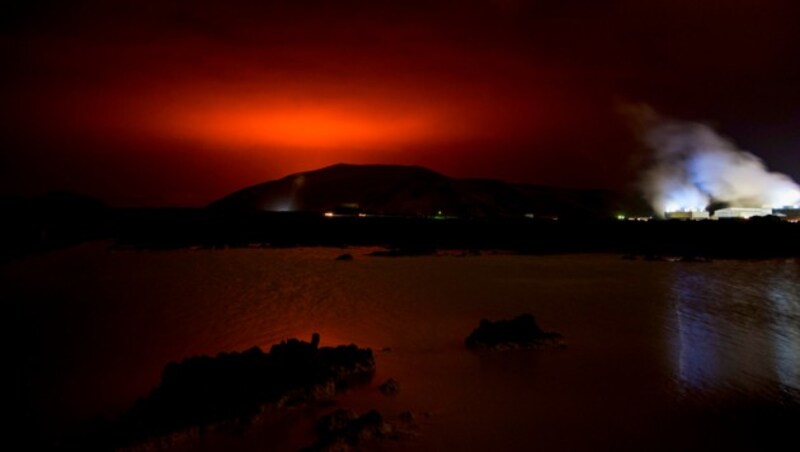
660, 354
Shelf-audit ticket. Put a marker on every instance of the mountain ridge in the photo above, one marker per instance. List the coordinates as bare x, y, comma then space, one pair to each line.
400, 190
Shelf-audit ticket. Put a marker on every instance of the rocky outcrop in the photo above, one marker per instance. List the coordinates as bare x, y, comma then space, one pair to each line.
390, 387
345, 430
203, 392
521, 332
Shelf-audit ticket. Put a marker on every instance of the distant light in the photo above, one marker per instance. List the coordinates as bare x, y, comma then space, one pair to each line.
282, 207
329, 214
620, 217
362, 215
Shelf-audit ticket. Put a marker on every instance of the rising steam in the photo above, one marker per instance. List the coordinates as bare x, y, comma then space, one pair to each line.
694, 166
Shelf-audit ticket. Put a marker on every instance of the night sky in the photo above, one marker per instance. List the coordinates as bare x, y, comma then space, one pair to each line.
182, 102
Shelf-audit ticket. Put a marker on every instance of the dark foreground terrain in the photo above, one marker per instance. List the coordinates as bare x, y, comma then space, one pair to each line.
206, 393
30, 232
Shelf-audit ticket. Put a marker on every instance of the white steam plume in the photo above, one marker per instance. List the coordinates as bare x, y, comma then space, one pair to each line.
695, 166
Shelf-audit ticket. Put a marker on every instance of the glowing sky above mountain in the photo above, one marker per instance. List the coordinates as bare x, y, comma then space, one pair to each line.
179, 103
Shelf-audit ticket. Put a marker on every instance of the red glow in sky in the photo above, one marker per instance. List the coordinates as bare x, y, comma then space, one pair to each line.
172, 103
321, 128
385, 116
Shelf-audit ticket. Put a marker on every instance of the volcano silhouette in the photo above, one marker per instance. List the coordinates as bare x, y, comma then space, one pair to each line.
417, 191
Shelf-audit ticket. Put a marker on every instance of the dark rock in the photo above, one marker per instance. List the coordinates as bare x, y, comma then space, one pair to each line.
345, 430
203, 392
405, 426
390, 387
521, 332
407, 416
344, 257
335, 422
407, 251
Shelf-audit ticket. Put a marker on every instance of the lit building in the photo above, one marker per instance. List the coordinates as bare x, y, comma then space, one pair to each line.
791, 214
742, 212
687, 215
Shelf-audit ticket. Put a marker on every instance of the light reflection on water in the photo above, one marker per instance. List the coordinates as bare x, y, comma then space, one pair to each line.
785, 298
737, 328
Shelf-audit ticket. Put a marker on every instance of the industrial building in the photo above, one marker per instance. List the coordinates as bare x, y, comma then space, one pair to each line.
687, 215
742, 212
726, 213
791, 214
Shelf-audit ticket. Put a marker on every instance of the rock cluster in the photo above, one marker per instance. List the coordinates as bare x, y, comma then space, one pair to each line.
521, 332
345, 430
203, 391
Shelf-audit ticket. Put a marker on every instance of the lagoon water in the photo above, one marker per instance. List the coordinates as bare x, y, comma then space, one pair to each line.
661, 355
